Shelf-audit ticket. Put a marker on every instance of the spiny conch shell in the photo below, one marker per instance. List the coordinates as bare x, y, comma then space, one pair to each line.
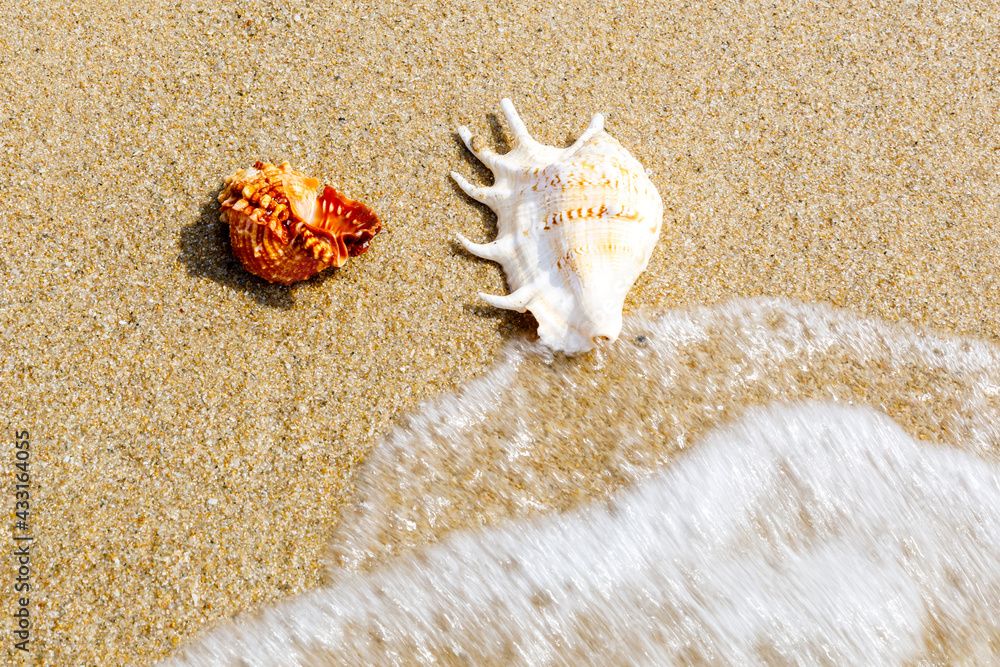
283, 232
575, 228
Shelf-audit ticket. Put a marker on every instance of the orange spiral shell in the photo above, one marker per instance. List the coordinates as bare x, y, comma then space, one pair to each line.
283, 232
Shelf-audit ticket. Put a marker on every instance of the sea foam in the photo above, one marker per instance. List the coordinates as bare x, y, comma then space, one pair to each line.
758, 482
813, 533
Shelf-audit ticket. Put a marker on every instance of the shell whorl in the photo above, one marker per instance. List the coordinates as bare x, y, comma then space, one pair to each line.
576, 227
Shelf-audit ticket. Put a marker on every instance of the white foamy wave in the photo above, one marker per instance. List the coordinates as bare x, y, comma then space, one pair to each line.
813, 533
538, 435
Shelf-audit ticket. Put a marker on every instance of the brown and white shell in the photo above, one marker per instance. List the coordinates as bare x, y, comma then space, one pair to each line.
575, 228
283, 231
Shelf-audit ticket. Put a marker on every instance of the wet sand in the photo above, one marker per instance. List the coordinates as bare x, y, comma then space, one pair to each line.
197, 431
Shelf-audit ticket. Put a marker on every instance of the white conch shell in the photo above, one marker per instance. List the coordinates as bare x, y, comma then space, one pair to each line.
576, 226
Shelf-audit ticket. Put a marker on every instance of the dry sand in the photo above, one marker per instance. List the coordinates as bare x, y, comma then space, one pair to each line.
196, 430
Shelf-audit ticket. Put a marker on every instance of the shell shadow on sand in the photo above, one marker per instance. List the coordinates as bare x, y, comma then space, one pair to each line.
206, 252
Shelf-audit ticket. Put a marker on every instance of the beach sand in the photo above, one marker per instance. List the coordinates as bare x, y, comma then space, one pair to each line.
195, 431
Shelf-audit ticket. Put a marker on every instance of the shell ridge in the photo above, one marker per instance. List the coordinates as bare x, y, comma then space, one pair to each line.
518, 300
485, 155
495, 251
595, 128
484, 195
521, 135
